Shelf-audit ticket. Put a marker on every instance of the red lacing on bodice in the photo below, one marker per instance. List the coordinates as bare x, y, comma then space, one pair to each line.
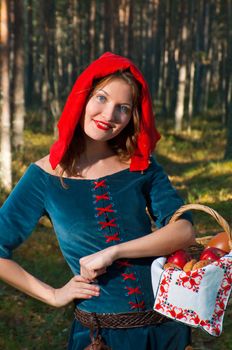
140, 305
105, 224
123, 263
102, 196
128, 276
107, 209
114, 237
109, 222
108, 227
98, 184
135, 290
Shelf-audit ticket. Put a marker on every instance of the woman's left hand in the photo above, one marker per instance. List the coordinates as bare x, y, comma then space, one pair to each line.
95, 264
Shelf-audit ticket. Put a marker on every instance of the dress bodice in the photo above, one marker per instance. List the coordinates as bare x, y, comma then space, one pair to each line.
90, 215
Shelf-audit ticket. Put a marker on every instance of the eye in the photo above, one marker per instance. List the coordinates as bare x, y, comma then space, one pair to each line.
124, 109
101, 98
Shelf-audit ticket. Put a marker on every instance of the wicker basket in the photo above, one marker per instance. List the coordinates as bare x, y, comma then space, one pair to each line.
197, 298
201, 242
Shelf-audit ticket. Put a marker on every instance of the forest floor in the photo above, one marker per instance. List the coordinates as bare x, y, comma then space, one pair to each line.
195, 166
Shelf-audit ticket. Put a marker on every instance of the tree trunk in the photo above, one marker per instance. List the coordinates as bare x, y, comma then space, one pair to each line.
18, 76
153, 28
92, 30
224, 81
158, 45
29, 68
182, 74
45, 86
55, 103
191, 89
165, 81
5, 170
190, 65
75, 40
130, 38
179, 112
228, 150
206, 36
124, 19
108, 20
199, 48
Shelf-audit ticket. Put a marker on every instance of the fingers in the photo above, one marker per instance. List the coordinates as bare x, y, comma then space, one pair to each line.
83, 284
91, 275
77, 288
86, 294
79, 278
86, 290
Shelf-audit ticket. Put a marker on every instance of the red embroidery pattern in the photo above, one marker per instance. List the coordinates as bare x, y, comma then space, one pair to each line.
192, 280
177, 313
226, 285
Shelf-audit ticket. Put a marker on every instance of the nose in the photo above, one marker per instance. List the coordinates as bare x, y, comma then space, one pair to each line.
109, 113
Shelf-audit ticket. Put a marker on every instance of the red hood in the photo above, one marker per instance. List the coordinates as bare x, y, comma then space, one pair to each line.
106, 64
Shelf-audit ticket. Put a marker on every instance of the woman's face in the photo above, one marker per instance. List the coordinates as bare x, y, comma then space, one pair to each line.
108, 111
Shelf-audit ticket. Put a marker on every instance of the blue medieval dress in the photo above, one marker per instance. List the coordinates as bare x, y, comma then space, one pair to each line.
88, 216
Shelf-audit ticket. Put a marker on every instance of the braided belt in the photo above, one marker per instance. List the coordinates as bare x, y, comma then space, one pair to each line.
121, 320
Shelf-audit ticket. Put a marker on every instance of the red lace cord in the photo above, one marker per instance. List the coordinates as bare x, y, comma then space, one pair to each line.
113, 237
123, 263
105, 210
110, 223
102, 196
135, 290
98, 184
137, 305
128, 276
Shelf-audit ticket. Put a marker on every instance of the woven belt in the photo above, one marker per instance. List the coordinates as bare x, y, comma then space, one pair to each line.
121, 320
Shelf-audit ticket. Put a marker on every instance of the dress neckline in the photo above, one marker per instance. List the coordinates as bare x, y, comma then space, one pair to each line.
80, 179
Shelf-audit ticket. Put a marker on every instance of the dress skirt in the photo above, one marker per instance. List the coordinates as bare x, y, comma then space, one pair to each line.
166, 336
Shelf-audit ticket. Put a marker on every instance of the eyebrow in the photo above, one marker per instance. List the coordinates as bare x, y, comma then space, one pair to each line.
128, 104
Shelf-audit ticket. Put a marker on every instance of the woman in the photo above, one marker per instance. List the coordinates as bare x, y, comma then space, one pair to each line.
100, 186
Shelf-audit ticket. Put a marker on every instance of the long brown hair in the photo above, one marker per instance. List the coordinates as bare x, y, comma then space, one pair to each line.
123, 144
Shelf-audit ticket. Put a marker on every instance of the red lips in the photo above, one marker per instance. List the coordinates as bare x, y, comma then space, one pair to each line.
103, 125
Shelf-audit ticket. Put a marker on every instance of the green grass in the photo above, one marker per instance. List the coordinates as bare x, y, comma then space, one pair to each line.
194, 163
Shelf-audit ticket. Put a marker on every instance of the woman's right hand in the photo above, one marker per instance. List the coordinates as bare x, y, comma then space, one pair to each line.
77, 288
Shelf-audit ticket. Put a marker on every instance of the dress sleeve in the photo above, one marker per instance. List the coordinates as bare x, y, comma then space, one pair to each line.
163, 199
22, 210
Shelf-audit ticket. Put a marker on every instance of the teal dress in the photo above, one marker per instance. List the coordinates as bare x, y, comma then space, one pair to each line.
88, 216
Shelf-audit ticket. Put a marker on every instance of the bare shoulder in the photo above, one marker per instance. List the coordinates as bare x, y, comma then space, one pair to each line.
44, 164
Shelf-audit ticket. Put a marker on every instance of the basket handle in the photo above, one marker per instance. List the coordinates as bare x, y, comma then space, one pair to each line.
220, 220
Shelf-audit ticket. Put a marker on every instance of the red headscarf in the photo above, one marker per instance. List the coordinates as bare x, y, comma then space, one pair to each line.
106, 64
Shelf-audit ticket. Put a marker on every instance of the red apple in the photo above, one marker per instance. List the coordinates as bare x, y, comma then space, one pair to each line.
179, 257
219, 252
212, 253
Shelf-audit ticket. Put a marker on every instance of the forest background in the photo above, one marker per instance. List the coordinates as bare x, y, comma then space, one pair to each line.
184, 49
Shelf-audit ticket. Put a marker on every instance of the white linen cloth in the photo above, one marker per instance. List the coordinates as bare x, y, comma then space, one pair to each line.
197, 298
